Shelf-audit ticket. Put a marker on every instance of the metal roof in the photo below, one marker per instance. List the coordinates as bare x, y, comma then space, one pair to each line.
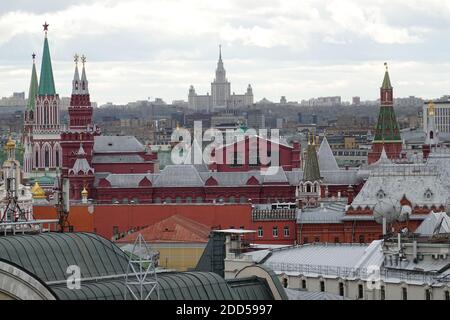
115, 144
48, 255
103, 266
172, 286
337, 255
128, 158
327, 161
312, 295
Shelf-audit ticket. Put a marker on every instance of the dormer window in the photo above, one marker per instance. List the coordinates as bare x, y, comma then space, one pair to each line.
428, 194
380, 194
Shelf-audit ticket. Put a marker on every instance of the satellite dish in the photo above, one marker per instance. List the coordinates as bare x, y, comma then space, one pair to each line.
386, 208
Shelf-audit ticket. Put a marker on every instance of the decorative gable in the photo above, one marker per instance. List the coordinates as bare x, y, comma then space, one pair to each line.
211, 182
252, 181
145, 182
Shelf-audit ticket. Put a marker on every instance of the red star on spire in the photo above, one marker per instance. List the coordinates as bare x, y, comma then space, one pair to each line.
45, 25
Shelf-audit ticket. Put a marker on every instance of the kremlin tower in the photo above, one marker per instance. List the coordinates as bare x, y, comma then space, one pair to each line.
77, 140
42, 121
387, 132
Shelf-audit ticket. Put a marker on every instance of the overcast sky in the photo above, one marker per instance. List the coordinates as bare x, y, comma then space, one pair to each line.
300, 49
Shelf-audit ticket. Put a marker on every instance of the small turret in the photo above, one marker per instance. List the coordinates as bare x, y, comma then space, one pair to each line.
84, 195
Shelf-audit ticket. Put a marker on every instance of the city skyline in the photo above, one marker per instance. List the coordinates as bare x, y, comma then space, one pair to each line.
284, 48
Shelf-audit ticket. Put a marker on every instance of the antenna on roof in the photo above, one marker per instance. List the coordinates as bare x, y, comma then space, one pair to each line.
141, 271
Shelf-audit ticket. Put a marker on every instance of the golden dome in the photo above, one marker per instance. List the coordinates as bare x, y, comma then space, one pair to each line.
84, 192
10, 144
37, 191
431, 108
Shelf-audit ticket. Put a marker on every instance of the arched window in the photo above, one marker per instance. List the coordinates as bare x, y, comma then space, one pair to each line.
168, 200
36, 159
199, 200
46, 158
157, 200
243, 199
188, 199
431, 134
232, 199
308, 188
57, 158
178, 199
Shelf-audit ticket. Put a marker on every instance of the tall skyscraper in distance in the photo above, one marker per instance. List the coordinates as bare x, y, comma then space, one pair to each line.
221, 96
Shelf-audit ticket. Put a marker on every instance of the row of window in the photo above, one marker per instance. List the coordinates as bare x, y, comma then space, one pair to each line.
404, 291
231, 199
184, 200
361, 238
286, 232
350, 153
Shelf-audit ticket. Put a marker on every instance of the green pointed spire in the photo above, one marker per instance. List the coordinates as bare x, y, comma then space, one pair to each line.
387, 129
46, 82
34, 87
386, 81
311, 171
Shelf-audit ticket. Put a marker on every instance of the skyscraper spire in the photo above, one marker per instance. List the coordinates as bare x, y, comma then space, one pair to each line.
34, 87
46, 82
220, 71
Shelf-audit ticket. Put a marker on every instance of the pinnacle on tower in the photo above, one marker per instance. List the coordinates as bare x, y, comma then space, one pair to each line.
84, 82
76, 77
386, 81
34, 87
46, 82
